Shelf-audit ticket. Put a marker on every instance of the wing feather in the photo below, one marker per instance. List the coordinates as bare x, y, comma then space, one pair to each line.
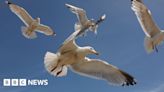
45, 29
99, 69
21, 13
69, 44
145, 19
81, 13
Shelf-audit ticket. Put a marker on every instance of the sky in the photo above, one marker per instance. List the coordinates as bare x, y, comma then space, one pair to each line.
120, 42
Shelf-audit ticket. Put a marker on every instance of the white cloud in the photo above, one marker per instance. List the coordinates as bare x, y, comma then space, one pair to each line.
160, 88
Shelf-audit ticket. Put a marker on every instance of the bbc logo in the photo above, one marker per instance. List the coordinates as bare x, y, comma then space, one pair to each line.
14, 82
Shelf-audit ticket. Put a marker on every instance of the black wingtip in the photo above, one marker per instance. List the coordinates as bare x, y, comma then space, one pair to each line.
129, 79
8, 2
53, 34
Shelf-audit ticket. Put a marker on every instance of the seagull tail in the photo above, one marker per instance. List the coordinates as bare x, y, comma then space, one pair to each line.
27, 33
152, 43
50, 62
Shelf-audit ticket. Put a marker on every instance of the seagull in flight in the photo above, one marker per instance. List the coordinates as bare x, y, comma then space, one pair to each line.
72, 56
154, 36
84, 24
32, 25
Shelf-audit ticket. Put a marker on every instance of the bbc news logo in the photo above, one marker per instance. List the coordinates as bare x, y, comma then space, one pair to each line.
24, 82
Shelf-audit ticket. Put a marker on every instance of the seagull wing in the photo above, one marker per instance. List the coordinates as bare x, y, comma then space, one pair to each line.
69, 44
99, 69
21, 13
145, 19
81, 14
45, 29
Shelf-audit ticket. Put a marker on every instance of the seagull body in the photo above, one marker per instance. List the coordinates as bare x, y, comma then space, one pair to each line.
70, 55
32, 25
153, 34
84, 23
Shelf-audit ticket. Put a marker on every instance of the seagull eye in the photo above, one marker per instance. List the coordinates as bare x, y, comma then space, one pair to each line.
91, 48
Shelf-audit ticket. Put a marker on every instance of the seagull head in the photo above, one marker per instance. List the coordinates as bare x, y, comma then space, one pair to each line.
90, 50
91, 23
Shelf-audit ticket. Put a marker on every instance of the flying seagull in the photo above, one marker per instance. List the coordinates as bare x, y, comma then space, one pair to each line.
72, 56
32, 25
154, 36
84, 24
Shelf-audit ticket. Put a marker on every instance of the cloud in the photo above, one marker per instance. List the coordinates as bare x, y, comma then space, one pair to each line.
160, 88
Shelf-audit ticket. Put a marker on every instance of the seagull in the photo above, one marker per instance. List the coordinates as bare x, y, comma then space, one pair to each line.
84, 23
154, 36
32, 25
72, 56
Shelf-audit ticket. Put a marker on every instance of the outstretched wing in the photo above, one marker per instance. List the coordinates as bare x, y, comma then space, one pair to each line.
81, 14
102, 70
69, 44
45, 29
21, 13
145, 19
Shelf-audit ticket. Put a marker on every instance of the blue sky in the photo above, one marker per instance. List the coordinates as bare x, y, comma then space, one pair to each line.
119, 40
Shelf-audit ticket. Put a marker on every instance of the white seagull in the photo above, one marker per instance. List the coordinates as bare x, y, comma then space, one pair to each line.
84, 23
32, 25
154, 36
70, 55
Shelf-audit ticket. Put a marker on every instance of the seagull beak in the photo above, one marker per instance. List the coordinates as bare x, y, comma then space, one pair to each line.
95, 52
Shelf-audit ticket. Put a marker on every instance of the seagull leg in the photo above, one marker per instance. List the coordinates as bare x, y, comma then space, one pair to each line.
156, 49
55, 66
60, 71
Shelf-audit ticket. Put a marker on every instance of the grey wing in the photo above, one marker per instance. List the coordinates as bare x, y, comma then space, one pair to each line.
101, 70
69, 44
145, 19
22, 14
81, 13
45, 29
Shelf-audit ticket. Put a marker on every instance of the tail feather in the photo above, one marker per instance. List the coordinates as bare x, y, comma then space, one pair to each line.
63, 72
26, 33
148, 44
50, 62
151, 43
